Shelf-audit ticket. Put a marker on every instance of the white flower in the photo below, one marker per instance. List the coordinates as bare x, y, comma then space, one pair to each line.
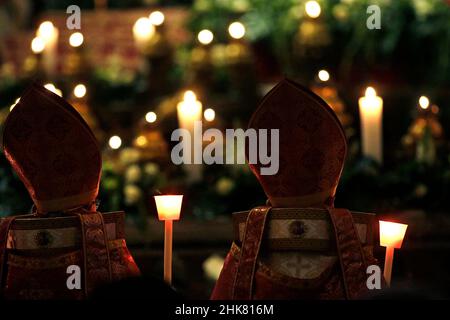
133, 174
129, 155
212, 266
202, 5
224, 186
240, 5
132, 194
340, 12
421, 191
151, 169
423, 7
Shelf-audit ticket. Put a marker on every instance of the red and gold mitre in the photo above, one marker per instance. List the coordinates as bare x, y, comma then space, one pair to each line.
312, 146
53, 151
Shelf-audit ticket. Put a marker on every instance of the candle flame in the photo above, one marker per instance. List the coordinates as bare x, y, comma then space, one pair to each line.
37, 45
14, 104
189, 96
115, 142
150, 117
141, 141
313, 9
80, 90
205, 36
157, 18
370, 92
46, 30
392, 234
76, 39
424, 102
143, 28
323, 75
209, 114
51, 87
168, 206
236, 30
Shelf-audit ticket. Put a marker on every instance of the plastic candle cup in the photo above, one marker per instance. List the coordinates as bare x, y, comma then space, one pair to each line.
391, 237
169, 208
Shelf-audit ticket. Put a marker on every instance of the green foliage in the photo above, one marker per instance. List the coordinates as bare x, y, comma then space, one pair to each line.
413, 33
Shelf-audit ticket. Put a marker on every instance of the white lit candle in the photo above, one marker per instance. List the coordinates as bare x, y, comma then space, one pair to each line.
143, 31
189, 112
169, 208
391, 237
371, 113
49, 34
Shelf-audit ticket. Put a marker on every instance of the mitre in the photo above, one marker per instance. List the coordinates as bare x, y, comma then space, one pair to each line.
312, 147
53, 151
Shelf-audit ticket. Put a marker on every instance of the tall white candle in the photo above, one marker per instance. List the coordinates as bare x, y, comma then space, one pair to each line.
371, 113
49, 33
189, 112
143, 31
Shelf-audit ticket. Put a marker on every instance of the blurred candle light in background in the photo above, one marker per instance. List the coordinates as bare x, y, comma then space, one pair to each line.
37, 45
323, 75
14, 104
49, 34
205, 37
143, 30
51, 87
46, 31
236, 30
434, 109
150, 117
189, 111
115, 142
391, 237
76, 39
312, 9
209, 114
141, 141
168, 207
371, 113
80, 90
424, 102
189, 96
156, 18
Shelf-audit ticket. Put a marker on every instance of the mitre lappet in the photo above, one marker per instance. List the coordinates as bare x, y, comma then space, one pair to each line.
299, 245
55, 154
